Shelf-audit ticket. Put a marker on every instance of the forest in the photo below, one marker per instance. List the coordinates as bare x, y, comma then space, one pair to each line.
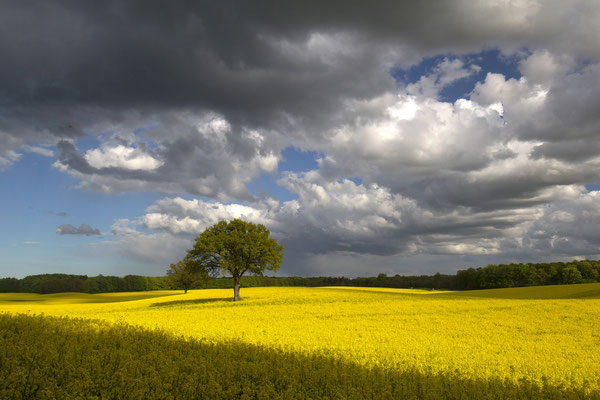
489, 277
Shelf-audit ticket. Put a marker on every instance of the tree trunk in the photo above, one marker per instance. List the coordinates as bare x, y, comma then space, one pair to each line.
236, 289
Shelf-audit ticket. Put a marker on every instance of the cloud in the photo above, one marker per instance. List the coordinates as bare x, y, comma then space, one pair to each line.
31, 243
444, 74
84, 229
567, 227
38, 150
349, 228
205, 156
8, 158
120, 156
177, 215
186, 99
157, 250
503, 147
281, 73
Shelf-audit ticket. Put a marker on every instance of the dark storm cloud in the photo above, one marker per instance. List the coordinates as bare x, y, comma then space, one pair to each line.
122, 55
222, 56
84, 229
576, 150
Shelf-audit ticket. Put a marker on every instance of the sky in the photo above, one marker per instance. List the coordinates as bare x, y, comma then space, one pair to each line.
369, 137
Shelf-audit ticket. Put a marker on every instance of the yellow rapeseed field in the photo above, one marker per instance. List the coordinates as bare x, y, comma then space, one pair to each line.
501, 343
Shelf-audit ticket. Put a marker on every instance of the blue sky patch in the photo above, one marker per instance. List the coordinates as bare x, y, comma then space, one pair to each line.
265, 185
489, 61
296, 160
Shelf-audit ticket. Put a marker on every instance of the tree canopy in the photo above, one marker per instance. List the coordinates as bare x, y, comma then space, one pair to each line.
182, 276
236, 247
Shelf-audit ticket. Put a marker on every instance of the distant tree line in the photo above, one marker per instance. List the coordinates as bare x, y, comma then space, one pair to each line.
513, 275
58, 283
492, 276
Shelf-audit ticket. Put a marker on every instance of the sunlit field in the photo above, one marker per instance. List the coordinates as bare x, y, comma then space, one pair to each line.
340, 342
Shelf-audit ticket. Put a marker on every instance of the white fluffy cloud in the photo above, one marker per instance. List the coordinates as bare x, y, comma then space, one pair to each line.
415, 134
120, 156
177, 215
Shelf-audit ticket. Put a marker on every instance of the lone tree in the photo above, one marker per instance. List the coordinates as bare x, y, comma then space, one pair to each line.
182, 275
236, 247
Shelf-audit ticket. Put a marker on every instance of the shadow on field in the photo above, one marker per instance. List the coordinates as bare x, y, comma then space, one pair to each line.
192, 302
20, 300
52, 357
80, 298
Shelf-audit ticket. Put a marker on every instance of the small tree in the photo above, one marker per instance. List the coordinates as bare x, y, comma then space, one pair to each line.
182, 276
236, 247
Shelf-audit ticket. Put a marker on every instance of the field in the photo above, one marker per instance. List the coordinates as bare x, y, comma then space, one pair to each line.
284, 342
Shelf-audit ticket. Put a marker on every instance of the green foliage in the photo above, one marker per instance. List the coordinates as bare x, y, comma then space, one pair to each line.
63, 284
8, 285
515, 275
588, 272
571, 275
60, 283
156, 282
182, 276
236, 247
52, 283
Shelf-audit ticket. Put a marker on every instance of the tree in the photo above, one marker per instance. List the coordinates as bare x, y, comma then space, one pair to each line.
468, 279
571, 275
9, 285
183, 276
236, 247
588, 273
